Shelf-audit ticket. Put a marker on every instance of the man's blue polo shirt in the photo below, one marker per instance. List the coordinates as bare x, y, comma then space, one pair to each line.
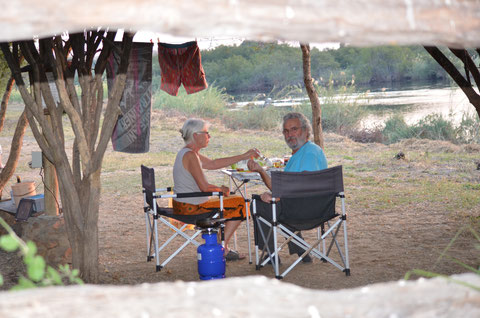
309, 157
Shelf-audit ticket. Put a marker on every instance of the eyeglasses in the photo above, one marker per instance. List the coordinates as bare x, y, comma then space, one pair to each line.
291, 130
203, 132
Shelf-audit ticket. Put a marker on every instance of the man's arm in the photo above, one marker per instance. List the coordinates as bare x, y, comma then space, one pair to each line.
254, 166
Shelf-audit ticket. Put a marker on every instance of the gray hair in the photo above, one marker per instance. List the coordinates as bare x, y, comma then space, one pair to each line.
191, 126
303, 121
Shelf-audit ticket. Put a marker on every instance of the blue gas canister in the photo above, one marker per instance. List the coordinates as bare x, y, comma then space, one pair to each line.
211, 262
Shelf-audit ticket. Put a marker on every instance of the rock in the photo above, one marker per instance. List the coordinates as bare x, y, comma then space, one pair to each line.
50, 236
251, 296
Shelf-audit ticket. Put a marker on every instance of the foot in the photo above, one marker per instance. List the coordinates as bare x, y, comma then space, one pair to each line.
232, 255
306, 259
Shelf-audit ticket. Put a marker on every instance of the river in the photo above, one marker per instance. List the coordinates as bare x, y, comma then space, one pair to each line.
414, 103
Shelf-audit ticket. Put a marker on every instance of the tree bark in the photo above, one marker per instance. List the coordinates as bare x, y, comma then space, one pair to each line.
79, 179
15, 149
313, 96
464, 83
5, 99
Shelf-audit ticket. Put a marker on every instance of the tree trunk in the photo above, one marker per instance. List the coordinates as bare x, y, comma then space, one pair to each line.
15, 149
313, 96
5, 98
465, 84
78, 175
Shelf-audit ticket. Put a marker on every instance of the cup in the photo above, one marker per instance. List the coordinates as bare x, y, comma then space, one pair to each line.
286, 158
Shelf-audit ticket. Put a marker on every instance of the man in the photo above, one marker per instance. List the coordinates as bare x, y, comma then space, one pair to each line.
306, 156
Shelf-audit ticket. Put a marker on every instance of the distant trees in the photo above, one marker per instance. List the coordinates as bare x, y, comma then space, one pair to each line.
260, 67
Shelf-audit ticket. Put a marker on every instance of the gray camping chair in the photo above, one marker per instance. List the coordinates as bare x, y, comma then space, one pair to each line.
155, 214
307, 202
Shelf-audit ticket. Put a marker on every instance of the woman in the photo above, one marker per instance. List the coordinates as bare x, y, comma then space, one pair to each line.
188, 176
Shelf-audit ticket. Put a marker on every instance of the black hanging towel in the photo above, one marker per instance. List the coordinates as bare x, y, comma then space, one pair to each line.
132, 131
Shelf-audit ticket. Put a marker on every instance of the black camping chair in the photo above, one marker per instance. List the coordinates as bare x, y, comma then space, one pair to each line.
307, 201
154, 213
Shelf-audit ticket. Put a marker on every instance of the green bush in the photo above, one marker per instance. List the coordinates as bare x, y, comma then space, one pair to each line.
39, 274
396, 129
435, 127
255, 118
340, 112
469, 129
207, 103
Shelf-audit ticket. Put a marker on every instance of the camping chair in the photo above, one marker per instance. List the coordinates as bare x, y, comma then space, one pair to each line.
307, 201
154, 214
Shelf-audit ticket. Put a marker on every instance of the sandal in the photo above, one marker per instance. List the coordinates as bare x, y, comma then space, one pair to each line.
233, 256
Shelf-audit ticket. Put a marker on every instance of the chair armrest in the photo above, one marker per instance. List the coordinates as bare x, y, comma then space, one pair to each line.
168, 189
194, 194
190, 195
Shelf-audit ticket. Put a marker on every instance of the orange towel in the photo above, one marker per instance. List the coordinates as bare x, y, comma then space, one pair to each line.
234, 207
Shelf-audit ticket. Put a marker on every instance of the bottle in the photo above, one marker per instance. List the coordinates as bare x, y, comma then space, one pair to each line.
18, 179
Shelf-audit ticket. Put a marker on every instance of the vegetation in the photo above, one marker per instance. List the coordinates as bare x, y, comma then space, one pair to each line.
259, 67
38, 273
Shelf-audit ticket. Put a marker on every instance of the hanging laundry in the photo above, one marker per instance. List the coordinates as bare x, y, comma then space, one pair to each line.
132, 131
181, 63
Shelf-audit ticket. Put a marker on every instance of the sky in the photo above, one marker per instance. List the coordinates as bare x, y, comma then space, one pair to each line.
207, 43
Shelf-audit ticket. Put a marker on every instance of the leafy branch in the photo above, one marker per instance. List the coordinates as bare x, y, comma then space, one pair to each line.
38, 273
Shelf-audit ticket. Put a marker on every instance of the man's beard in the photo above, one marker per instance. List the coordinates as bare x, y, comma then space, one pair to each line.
295, 143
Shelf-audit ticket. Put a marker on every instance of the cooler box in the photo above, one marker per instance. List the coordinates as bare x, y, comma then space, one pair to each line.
39, 202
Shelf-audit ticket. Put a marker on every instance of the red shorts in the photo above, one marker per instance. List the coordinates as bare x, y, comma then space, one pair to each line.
181, 63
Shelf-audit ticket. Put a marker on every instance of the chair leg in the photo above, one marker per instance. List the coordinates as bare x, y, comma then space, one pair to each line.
157, 252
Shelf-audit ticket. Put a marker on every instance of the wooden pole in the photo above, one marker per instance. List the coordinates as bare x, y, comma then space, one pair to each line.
50, 182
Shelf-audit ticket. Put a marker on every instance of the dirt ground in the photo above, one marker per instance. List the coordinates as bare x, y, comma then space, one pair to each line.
383, 247
384, 244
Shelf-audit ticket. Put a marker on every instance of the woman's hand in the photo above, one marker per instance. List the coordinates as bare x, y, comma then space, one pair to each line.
267, 197
252, 153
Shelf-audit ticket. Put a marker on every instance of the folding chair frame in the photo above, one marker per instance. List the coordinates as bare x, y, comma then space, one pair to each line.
313, 248
154, 214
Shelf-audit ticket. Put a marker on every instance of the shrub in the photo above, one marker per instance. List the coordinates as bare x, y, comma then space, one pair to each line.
435, 127
396, 129
207, 103
255, 118
38, 273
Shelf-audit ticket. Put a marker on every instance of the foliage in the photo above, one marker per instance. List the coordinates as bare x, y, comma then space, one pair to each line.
267, 118
258, 67
455, 260
469, 129
207, 103
38, 273
433, 127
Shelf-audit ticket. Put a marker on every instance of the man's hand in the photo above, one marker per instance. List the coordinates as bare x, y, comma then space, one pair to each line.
266, 197
254, 166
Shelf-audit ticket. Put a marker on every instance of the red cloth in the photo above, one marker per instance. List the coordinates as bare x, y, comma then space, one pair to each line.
181, 63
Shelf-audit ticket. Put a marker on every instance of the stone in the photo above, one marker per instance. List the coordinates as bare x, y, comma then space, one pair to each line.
50, 236
251, 296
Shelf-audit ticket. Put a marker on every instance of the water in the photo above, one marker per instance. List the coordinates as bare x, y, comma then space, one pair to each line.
414, 102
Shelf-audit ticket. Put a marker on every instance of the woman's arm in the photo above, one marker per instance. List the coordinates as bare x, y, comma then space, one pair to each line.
210, 164
192, 164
